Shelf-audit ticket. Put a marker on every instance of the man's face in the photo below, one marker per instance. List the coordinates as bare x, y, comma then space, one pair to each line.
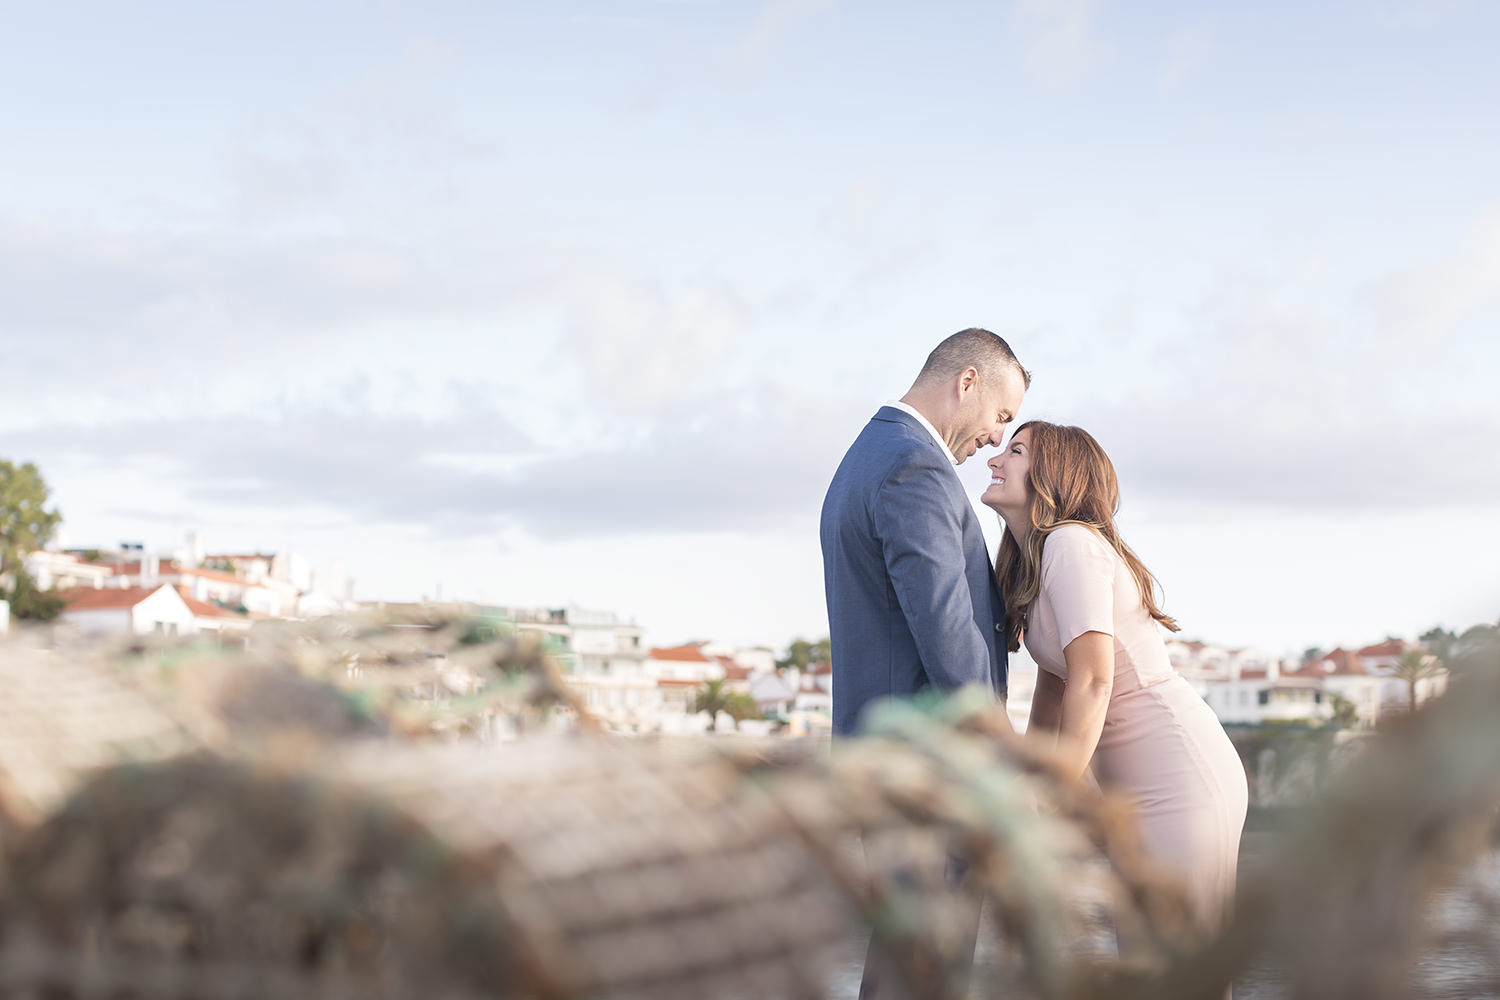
984, 411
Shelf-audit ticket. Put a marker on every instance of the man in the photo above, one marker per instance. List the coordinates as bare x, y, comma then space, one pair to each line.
912, 598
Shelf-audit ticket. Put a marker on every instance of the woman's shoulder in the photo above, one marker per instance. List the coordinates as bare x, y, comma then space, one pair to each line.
1074, 536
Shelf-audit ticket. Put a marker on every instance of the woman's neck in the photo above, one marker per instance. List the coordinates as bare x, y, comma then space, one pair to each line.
1019, 528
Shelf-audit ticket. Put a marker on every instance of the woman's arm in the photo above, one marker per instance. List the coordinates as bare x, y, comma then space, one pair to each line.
1046, 706
1085, 699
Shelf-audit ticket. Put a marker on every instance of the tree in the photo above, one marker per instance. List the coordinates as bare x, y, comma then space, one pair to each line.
1345, 713
25, 523
741, 706
26, 601
1476, 651
1439, 642
713, 699
803, 654
1415, 666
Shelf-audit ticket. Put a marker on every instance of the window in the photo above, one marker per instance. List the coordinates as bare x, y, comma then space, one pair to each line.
1264, 697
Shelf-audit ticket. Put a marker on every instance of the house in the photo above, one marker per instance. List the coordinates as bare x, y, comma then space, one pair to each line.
271, 598
687, 662
216, 618
64, 570
1377, 667
773, 693
128, 610
1248, 688
1199, 663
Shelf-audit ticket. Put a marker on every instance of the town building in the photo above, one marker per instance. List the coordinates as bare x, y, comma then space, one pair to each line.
1249, 687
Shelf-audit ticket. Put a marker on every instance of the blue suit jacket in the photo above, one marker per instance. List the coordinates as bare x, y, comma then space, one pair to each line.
912, 599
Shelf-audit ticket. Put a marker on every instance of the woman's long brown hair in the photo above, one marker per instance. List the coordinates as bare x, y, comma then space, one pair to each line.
1072, 482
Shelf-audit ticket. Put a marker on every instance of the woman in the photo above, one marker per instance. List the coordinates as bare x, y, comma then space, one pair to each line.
1106, 691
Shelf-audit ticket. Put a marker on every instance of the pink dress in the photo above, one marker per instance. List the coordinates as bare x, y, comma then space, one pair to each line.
1161, 746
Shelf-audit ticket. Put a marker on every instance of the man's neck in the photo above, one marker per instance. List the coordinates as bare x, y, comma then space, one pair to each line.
937, 436
926, 405
930, 405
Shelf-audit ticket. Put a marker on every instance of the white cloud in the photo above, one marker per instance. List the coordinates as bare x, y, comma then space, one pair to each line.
1428, 303
1059, 40
756, 47
1287, 397
643, 348
1188, 50
750, 463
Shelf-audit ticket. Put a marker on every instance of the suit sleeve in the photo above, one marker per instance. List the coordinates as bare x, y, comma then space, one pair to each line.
921, 537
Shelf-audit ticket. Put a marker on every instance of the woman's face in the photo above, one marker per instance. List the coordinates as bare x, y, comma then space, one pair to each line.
1010, 488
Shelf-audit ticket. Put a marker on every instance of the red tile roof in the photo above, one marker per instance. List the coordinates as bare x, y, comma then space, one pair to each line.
1390, 647
206, 609
691, 653
1341, 661
104, 598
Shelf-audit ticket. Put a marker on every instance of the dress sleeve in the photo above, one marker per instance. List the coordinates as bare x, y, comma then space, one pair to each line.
1078, 576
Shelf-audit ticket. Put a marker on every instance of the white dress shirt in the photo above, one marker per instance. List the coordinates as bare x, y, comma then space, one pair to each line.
927, 424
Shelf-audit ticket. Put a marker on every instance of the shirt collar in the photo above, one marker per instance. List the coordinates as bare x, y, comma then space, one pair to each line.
907, 408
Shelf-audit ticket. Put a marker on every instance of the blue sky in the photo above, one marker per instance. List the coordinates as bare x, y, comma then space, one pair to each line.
582, 302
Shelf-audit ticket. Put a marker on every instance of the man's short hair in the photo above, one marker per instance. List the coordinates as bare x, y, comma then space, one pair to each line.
987, 352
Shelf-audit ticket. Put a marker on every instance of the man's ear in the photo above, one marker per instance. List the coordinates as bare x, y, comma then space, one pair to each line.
967, 379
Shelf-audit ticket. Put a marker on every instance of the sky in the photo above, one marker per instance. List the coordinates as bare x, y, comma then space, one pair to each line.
582, 302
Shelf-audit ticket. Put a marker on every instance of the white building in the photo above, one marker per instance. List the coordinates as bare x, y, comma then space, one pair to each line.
140, 610
1247, 687
63, 570
128, 610
601, 656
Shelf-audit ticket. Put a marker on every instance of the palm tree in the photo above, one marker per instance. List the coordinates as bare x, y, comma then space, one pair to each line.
713, 699
1414, 667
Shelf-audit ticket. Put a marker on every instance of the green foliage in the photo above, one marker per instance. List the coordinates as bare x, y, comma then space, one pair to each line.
25, 523
741, 706
1477, 651
1415, 666
803, 654
712, 698
28, 602
1345, 713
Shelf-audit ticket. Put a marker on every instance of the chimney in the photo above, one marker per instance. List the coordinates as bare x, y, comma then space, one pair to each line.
150, 569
